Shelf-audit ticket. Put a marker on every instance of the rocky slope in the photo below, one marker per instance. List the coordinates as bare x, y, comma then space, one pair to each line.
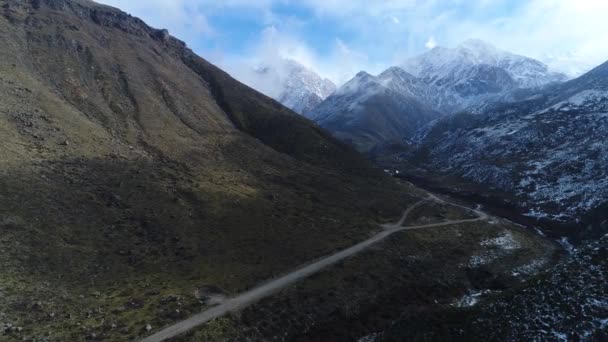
295, 86
548, 151
369, 111
135, 176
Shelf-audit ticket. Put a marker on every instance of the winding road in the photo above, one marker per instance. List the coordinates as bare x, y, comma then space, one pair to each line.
247, 298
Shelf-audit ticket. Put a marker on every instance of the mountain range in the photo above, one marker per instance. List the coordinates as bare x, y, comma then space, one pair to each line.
439, 82
483, 114
441, 66
532, 137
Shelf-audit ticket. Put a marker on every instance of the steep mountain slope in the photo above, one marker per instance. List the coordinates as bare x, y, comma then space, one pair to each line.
295, 86
137, 178
548, 151
369, 111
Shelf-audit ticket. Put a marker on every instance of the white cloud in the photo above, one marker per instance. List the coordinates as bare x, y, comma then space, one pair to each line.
350, 8
431, 43
273, 47
567, 34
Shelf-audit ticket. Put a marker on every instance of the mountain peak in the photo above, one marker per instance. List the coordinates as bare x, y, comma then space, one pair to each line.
293, 84
363, 74
302, 88
439, 64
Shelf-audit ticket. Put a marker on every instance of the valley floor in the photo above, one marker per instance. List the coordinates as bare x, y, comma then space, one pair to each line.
488, 255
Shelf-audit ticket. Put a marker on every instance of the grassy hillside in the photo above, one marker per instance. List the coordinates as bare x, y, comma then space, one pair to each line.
134, 172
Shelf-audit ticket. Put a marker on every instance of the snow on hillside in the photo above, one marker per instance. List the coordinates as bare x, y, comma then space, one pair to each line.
550, 150
303, 89
569, 304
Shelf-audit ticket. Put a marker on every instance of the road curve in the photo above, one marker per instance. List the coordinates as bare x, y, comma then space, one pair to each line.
247, 298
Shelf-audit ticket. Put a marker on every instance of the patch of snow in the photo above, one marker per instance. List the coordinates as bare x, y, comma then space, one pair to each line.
531, 268
568, 247
369, 338
506, 241
470, 299
560, 336
480, 260
586, 96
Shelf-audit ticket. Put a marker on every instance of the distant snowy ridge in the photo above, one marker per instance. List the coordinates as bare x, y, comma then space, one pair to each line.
475, 73
440, 64
372, 111
295, 86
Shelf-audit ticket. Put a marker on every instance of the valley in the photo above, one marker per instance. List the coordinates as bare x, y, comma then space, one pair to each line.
240, 301
147, 195
431, 269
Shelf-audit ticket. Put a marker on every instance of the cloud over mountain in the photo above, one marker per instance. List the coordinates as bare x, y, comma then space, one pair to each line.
381, 33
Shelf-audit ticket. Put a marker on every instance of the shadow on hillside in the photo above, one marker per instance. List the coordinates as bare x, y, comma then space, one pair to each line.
100, 220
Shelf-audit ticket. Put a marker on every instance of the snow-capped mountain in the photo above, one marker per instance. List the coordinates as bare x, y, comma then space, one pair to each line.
475, 72
548, 150
372, 111
369, 111
444, 63
294, 85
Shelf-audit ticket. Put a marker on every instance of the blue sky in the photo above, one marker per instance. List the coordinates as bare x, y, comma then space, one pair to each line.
338, 38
